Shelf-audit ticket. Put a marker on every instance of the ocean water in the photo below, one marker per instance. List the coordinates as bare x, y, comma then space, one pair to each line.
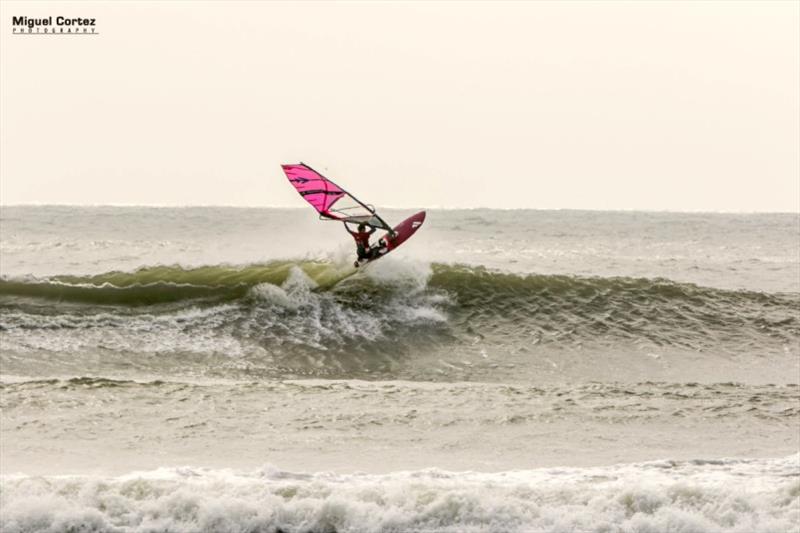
221, 369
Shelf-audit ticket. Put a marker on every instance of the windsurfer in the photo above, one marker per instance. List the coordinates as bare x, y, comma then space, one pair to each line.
334, 203
362, 240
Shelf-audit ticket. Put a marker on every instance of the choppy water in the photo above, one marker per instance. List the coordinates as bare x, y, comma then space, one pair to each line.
504, 342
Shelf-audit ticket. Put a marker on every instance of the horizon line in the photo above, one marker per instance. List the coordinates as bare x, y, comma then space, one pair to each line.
434, 207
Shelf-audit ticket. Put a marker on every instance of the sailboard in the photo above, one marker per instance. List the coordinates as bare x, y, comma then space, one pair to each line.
332, 202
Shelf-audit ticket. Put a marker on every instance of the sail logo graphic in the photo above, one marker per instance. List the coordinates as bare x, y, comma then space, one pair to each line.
54, 26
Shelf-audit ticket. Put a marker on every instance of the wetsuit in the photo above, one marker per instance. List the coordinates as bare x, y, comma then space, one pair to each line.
362, 242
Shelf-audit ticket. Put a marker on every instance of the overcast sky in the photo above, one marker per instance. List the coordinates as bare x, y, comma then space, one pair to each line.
599, 105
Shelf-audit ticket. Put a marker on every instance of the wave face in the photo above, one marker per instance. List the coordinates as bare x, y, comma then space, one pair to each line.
700, 496
316, 318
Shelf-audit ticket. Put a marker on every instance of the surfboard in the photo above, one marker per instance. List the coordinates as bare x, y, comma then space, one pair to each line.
399, 234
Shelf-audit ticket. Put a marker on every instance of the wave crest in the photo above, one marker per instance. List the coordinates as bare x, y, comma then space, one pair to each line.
288, 310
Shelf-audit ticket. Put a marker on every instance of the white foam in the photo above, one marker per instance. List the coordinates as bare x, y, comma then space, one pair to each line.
406, 272
737, 496
294, 293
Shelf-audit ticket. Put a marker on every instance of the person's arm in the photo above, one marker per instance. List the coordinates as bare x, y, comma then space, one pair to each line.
372, 231
348, 229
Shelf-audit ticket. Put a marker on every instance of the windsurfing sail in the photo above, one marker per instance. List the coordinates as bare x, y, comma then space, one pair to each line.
330, 200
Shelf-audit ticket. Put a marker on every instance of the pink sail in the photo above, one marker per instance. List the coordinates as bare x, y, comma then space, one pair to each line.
322, 194
317, 190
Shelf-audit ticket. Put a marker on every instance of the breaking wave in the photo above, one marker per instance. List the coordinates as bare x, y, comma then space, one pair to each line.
600, 305
318, 319
702, 496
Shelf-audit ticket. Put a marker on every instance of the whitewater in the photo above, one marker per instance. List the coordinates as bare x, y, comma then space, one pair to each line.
221, 369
